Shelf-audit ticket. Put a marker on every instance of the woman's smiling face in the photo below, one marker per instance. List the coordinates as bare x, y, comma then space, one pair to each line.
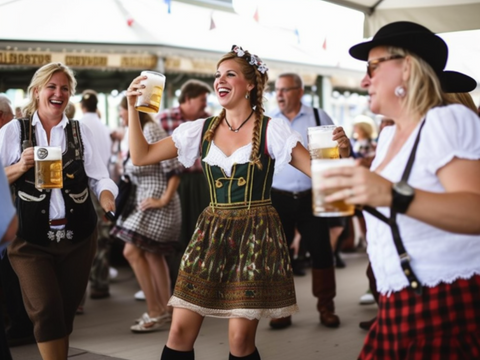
230, 84
53, 97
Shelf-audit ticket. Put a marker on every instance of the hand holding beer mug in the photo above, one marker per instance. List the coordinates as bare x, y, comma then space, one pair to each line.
320, 207
48, 167
320, 143
151, 97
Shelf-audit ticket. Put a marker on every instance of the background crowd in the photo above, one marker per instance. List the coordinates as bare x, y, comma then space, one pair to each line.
72, 227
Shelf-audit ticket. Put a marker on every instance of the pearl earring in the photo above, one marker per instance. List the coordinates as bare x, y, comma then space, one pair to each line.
247, 95
400, 91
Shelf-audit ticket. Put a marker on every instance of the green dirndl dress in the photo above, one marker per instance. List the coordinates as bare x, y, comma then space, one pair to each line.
237, 263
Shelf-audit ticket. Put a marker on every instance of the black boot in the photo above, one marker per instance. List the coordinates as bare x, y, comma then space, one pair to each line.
170, 354
253, 356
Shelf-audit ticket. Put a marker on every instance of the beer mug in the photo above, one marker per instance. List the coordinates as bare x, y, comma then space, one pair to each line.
151, 97
48, 167
319, 206
320, 143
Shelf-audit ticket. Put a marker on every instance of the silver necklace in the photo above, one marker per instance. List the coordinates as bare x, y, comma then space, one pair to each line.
243, 123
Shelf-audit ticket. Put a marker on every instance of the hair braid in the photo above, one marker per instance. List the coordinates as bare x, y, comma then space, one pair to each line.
216, 121
255, 155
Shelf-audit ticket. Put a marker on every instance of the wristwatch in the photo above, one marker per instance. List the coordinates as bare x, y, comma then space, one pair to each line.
402, 196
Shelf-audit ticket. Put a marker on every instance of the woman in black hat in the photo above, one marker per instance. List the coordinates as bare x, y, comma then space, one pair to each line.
422, 196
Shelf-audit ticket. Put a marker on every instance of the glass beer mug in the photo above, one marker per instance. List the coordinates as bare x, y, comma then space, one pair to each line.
151, 97
319, 206
48, 167
320, 143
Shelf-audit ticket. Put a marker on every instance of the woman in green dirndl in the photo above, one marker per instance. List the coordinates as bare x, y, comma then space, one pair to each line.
236, 265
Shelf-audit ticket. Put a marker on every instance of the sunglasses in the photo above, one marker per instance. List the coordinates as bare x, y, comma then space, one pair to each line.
372, 65
286, 90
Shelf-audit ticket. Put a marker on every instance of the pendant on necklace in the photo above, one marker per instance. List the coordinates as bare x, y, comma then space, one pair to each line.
243, 123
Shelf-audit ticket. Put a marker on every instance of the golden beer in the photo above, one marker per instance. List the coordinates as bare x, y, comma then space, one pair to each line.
320, 143
325, 153
48, 167
319, 206
151, 97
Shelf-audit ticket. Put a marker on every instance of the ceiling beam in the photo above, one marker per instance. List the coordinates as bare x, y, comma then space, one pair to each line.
352, 5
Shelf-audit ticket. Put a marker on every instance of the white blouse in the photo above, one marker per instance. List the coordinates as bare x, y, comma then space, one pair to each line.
281, 139
436, 255
97, 172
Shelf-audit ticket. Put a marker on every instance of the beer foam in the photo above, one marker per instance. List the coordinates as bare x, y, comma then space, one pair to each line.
47, 153
154, 80
321, 137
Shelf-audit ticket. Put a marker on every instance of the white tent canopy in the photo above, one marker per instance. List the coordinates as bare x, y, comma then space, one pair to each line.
439, 16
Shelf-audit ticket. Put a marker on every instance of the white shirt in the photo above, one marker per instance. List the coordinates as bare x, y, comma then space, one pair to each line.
10, 153
101, 135
436, 255
281, 139
290, 178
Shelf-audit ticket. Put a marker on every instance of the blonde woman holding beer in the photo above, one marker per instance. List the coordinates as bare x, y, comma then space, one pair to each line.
236, 265
56, 239
430, 289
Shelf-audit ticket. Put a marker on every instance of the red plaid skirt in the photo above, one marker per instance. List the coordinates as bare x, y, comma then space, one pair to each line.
442, 323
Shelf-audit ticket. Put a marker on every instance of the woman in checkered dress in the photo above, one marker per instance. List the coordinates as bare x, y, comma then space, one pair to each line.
436, 314
236, 265
150, 226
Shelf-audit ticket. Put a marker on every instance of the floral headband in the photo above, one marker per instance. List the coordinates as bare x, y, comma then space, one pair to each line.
253, 60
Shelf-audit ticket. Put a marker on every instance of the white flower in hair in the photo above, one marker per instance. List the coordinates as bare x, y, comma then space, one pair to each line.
238, 50
252, 59
262, 68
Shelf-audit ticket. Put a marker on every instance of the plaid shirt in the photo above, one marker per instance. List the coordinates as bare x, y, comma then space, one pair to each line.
170, 119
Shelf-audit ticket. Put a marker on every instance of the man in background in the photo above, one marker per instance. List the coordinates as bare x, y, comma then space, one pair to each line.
6, 111
292, 198
99, 274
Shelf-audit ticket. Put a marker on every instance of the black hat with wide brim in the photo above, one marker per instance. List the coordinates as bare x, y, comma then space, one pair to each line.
409, 36
422, 42
454, 81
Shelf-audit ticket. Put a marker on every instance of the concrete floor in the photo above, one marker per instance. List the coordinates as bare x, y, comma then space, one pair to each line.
103, 332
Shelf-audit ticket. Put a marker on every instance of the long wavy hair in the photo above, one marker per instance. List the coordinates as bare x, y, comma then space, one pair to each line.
259, 80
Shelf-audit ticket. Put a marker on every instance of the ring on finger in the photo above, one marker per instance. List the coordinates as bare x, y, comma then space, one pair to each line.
350, 192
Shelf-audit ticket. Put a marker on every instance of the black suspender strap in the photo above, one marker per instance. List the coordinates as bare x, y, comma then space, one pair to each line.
392, 221
317, 116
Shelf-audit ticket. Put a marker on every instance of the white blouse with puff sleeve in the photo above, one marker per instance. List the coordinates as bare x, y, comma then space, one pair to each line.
281, 139
436, 255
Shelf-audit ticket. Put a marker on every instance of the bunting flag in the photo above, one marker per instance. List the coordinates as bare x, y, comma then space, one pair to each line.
255, 16
324, 46
297, 34
212, 22
169, 5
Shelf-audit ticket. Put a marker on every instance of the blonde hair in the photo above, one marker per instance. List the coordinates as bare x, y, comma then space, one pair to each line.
41, 77
424, 90
259, 80
462, 98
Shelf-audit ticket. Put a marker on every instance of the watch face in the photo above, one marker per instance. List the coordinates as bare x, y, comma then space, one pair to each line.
403, 188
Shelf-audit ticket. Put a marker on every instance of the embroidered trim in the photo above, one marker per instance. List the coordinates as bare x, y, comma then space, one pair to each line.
57, 235
26, 197
80, 198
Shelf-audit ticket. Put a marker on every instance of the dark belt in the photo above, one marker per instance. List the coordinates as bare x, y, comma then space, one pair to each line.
57, 222
294, 194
